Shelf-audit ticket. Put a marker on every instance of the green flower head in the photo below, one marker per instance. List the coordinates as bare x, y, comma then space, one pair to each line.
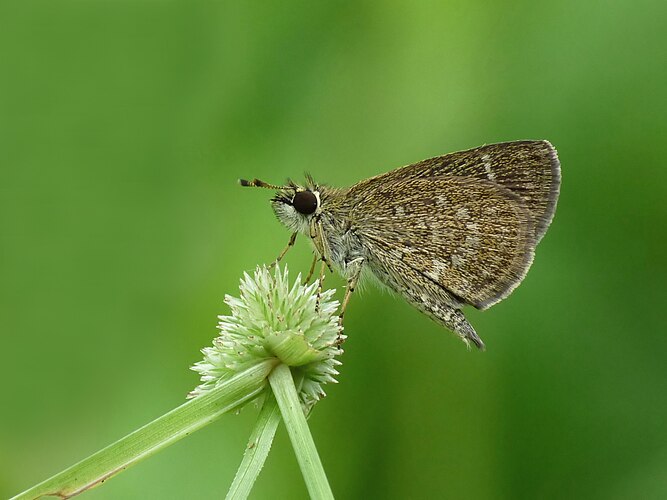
271, 319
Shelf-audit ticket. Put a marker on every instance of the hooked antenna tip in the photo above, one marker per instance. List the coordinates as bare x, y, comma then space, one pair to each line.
260, 184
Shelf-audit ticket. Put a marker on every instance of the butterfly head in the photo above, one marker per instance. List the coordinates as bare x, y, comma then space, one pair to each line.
294, 205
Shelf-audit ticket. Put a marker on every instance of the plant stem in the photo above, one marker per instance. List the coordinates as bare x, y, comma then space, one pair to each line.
258, 449
284, 390
155, 435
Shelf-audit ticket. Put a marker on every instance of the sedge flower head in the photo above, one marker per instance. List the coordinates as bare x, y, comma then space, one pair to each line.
272, 319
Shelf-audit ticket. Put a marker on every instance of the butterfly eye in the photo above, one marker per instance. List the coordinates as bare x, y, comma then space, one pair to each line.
305, 202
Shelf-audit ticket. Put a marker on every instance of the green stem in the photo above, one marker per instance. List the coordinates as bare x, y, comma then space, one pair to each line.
156, 435
284, 390
258, 449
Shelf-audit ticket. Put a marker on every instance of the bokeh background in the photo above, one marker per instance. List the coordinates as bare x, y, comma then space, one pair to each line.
123, 128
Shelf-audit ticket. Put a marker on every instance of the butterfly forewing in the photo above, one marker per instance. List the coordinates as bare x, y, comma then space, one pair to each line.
529, 169
469, 237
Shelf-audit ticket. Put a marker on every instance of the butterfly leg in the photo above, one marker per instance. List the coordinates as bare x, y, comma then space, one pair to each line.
290, 244
353, 271
311, 271
317, 236
320, 280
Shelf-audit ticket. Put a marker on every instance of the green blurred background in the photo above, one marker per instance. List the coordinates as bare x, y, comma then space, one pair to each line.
123, 128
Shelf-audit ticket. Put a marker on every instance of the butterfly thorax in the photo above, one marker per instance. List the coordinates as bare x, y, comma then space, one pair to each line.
342, 241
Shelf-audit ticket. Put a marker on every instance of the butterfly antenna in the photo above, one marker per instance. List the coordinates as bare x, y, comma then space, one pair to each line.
261, 184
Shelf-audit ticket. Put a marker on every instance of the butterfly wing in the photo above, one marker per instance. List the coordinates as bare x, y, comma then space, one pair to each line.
529, 169
470, 238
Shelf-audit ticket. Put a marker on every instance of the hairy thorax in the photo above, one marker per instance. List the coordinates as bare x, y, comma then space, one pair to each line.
342, 243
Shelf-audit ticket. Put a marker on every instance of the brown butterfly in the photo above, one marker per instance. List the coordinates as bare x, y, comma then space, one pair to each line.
454, 230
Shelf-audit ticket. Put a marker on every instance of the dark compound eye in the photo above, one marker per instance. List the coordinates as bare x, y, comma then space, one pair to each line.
305, 202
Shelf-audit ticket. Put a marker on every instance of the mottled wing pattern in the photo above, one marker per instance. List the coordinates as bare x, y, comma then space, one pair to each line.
469, 237
427, 295
529, 169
